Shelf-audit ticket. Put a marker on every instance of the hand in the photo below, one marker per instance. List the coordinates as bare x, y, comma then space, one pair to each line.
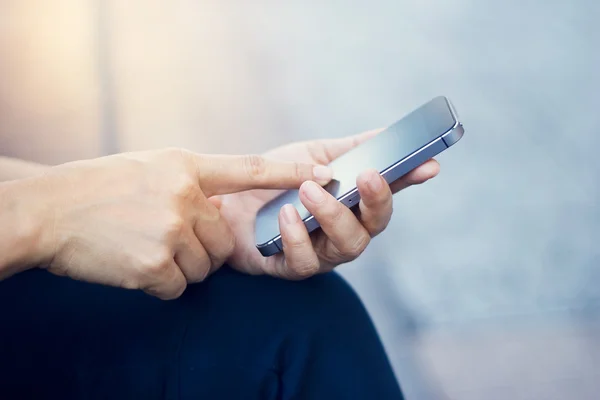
344, 234
143, 221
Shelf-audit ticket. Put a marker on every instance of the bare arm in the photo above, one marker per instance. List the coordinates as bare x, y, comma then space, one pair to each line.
21, 219
19, 232
11, 169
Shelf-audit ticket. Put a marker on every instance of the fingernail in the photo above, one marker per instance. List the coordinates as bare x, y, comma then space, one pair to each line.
314, 192
322, 173
374, 182
290, 215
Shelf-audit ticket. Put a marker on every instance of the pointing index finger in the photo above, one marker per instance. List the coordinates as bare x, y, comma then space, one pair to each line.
221, 174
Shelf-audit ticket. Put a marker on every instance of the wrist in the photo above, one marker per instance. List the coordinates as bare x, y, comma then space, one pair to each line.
25, 220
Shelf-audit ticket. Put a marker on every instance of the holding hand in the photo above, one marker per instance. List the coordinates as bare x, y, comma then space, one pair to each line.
344, 235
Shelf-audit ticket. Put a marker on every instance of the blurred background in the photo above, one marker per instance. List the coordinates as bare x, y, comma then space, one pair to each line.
487, 283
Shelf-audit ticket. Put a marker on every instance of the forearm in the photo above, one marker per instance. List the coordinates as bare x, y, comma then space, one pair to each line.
11, 169
22, 219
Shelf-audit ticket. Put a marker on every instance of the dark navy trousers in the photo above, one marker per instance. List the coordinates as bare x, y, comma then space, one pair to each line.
232, 337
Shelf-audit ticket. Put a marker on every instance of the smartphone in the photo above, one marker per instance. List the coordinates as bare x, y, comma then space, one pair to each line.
400, 148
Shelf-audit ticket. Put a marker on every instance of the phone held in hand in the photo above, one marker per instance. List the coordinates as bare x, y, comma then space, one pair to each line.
403, 146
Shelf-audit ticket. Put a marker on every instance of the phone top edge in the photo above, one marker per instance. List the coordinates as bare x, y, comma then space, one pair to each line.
452, 109
454, 135
457, 131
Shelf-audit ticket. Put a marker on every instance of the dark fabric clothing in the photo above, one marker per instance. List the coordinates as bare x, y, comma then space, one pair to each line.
231, 337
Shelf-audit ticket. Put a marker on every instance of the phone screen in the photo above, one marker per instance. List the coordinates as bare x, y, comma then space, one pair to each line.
398, 141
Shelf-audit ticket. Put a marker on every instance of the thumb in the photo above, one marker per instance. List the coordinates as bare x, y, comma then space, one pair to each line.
221, 174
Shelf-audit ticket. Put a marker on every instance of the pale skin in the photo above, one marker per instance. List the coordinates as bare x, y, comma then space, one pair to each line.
160, 220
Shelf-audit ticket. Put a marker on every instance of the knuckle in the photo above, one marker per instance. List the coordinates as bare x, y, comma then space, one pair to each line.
299, 171
160, 267
175, 153
203, 272
376, 225
178, 290
171, 293
171, 156
158, 263
320, 152
178, 174
255, 165
130, 282
221, 250
382, 200
357, 247
304, 269
225, 249
336, 212
382, 226
375, 230
174, 226
185, 186
228, 246
294, 245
